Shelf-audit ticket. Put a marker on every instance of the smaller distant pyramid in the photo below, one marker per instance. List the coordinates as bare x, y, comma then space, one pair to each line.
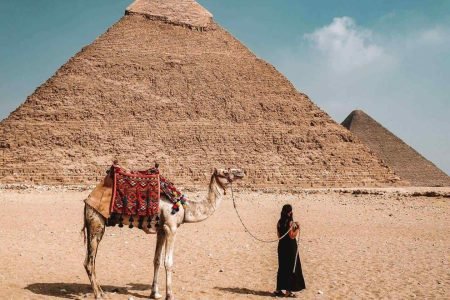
404, 160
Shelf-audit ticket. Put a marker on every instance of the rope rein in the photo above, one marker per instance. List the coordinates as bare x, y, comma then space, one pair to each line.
296, 254
245, 227
261, 240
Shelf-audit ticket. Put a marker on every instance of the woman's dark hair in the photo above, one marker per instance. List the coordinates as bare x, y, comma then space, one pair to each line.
285, 218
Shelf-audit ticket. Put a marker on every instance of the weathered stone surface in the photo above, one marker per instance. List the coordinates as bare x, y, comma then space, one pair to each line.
179, 12
404, 160
192, 100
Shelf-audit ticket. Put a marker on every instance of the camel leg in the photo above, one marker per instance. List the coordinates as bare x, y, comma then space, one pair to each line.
168, 262
160, 240
95, 227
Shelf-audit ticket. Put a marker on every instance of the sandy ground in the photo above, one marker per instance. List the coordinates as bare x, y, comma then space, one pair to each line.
383, 245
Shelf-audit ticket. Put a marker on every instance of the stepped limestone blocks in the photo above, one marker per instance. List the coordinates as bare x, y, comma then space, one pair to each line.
190, 97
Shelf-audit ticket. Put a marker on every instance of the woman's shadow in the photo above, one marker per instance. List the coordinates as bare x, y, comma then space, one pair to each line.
78, 290
245, 291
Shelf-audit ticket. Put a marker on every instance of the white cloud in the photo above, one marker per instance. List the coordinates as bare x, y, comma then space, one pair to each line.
400, 77
345, 45
433, 36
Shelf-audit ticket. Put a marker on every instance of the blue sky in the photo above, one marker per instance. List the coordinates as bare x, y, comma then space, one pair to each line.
389, 58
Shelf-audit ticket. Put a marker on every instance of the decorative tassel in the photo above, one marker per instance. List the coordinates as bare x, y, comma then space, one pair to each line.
141, 220
111, 221
121, 221
131, 222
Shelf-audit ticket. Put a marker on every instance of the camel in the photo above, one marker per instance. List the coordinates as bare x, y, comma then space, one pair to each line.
94, 228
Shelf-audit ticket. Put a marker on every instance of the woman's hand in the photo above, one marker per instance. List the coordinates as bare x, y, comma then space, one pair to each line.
295, 230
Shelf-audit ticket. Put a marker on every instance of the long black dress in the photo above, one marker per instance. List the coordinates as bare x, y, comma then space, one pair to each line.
287, 250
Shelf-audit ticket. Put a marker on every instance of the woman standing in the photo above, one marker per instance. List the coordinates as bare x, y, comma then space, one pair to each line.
288, 279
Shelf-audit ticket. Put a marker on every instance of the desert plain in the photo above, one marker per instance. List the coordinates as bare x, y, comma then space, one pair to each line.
355, 244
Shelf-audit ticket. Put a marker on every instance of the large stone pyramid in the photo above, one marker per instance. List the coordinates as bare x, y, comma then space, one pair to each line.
404, 160
167, 84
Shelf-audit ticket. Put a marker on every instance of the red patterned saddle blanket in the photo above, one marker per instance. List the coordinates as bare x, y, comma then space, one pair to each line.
135, 193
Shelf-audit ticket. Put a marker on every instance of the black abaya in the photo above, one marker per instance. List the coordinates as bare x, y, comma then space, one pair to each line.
287, 250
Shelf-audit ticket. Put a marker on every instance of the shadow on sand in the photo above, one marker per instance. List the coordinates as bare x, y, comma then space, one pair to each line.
78, 290
245, 291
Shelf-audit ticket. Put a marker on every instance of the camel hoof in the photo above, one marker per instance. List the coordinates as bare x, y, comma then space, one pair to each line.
155, 295
170, 297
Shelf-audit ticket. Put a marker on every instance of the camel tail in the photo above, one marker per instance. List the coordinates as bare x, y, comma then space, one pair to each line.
83, 230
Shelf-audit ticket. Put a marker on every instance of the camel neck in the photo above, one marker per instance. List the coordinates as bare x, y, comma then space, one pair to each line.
201, 210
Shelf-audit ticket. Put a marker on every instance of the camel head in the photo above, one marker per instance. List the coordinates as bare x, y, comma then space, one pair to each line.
224, 177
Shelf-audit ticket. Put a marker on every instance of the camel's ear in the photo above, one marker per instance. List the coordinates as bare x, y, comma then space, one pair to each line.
215, 171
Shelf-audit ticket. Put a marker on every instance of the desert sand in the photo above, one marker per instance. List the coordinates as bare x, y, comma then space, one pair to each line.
355, 244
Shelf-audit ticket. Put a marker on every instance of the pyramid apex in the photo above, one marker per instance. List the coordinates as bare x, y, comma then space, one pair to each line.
178, 12
358, 112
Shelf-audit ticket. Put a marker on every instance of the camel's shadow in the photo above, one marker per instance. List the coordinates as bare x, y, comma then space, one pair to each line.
245, 291
79, 290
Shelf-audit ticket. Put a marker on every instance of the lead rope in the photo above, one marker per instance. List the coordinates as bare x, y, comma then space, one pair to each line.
245, 227
264, 241
296, 254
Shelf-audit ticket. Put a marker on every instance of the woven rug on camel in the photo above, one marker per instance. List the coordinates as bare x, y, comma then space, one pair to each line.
136, 195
